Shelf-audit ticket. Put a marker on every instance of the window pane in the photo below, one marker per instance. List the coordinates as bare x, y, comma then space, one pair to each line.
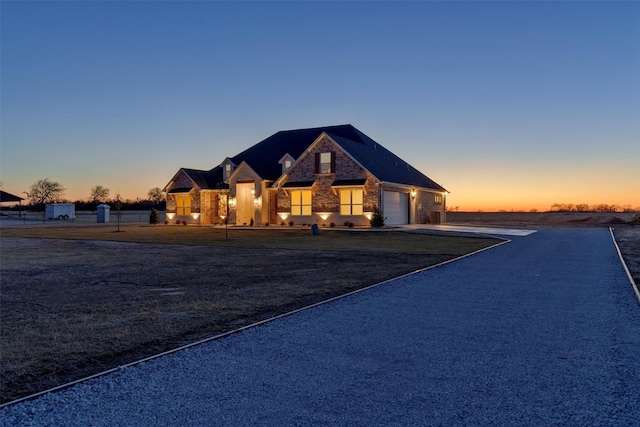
345, 197
325, 162
295, 197
356, 197
357, 209
306, 197
295, 210
345, 209
306, 210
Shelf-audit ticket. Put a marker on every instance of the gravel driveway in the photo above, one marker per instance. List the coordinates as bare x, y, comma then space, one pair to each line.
544, 330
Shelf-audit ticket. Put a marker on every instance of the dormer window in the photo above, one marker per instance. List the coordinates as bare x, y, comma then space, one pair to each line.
286, 161
227, 168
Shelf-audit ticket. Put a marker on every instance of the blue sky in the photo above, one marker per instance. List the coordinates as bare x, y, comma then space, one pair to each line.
508, 105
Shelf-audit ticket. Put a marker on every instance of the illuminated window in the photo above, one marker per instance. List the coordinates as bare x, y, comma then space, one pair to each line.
325, 163
301, 202
351, 202
438, 198
183, 204
287, 164
227, 170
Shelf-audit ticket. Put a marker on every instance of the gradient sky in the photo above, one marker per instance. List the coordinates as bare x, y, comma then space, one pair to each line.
508, 105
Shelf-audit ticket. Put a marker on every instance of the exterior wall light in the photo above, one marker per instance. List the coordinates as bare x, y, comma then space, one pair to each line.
413, 194
232, 201
195, 215
324, 215
283, 215
253, 191
257, 201
170, 215
368, 215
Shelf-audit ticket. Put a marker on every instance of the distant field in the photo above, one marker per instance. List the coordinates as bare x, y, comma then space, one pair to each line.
540, 218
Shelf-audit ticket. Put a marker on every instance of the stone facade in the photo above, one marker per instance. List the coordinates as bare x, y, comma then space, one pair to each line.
324, 198
253, 200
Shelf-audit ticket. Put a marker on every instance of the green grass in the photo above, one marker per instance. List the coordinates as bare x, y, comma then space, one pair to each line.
273, 238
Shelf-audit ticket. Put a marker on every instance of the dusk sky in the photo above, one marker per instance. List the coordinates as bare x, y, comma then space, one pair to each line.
508, 105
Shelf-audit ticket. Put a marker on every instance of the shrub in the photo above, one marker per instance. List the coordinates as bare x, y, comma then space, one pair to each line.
251, 223
184, 222
291, 223
178, 222
166, 221
377, 220
350, 224
333, 224
154, 218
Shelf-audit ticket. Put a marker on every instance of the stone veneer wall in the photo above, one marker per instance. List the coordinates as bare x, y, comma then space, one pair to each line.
425, 204
323, 197
184, 181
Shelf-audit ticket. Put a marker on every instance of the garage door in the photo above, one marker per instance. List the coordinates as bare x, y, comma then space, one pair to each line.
396, 208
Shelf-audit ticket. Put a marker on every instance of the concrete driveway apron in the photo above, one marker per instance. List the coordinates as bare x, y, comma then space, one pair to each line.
544, 330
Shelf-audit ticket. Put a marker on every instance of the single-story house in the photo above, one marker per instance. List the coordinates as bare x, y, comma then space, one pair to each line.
324, 175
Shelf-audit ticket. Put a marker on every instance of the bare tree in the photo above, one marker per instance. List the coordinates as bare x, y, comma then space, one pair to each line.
45, 191
156, 195
99, 194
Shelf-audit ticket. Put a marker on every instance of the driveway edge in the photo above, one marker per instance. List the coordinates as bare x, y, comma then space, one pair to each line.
624, 264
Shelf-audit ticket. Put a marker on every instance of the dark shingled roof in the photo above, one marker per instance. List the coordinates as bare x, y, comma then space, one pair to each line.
180, 190
382, 163
300, 184
348, 182
211, 179
8, 197
264, 156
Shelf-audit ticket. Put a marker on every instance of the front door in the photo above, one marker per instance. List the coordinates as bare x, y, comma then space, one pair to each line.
244, 203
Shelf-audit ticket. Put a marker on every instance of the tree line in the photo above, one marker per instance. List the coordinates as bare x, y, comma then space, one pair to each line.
584, 207
46, 191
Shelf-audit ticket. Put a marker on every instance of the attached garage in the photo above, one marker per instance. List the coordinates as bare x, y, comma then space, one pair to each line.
395, 207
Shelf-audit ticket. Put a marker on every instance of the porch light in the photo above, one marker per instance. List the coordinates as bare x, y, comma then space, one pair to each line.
223, 217
324, 215
232, 201
413, 194
195, 215
253, 191
283, 215
368, 215
170, 215
257, 201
